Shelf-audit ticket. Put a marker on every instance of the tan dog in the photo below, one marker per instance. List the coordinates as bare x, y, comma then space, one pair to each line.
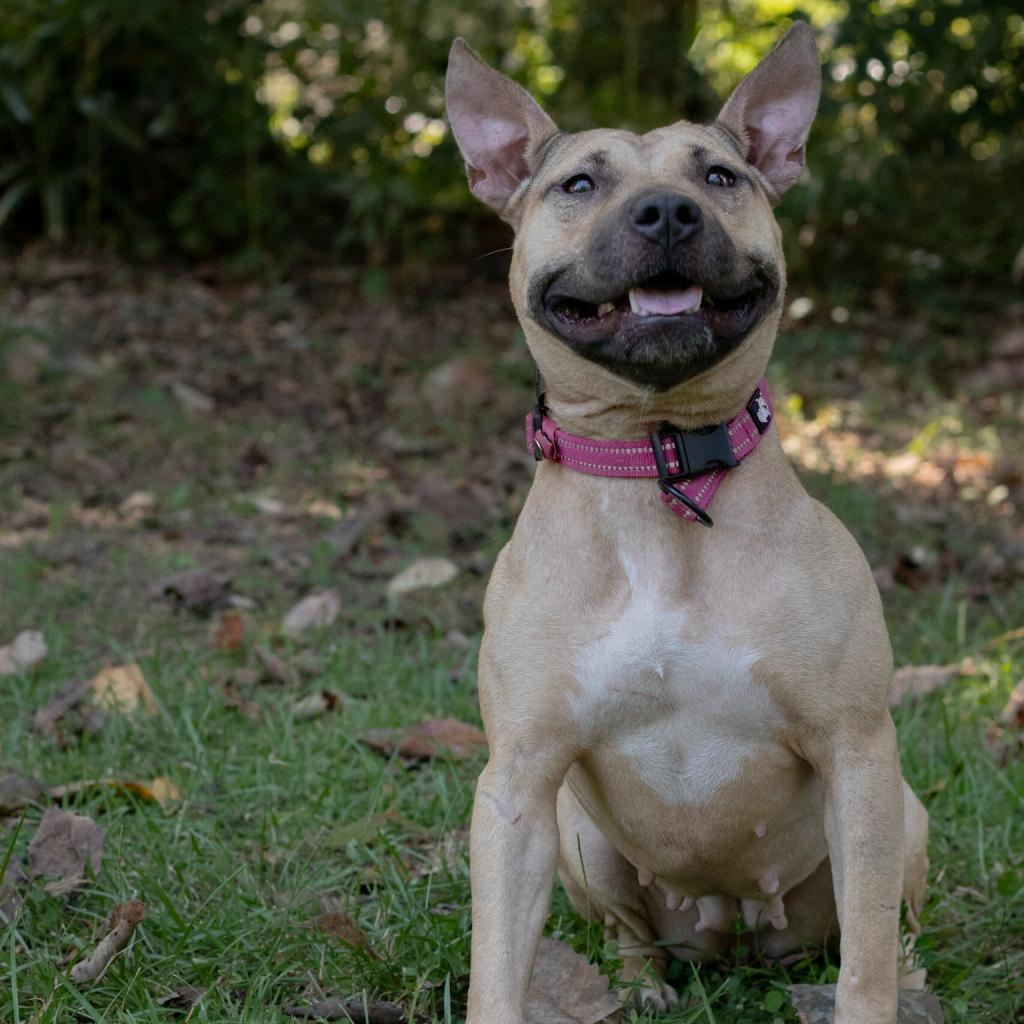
690, 723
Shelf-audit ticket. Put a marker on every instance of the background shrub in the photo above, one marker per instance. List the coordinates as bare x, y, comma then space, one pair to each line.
290, 126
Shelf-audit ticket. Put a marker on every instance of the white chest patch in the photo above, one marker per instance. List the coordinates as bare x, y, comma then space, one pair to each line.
682, 706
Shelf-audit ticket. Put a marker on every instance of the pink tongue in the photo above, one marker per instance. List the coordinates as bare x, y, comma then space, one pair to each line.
667, 303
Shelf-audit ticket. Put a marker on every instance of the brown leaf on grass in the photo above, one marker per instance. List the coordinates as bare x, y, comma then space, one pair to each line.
815, 1004
160, 790
28, 648
354, 1009
10, 879
119, 929
17, 792
315, 704
124, 689
234, 698
338, 925
920, 680
63, 846
276, 667
313, 611
184, 997
431, 738
197, 590
67, 713
228, 632
567, 989
423, 573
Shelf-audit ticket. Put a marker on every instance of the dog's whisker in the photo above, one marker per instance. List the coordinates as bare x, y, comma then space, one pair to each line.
493, 252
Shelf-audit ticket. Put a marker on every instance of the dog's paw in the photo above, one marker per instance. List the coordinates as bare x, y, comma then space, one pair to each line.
651, 994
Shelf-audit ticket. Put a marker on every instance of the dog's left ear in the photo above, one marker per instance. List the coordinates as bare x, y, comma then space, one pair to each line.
498, 125
771, 110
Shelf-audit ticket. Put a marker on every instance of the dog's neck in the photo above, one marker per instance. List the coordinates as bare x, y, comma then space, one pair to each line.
588, 400
690, 406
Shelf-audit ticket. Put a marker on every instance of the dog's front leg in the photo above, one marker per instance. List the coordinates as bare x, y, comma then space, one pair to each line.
513, 850
864, 827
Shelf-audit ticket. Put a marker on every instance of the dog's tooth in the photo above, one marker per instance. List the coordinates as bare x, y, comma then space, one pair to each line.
605, 308
634, 304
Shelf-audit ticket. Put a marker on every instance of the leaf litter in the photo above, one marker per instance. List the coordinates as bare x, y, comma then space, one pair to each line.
25, 651
429, 739
81, 707
815, 1004
313, 611
65, 844
120, 927
422, 574
566, 988
124, 689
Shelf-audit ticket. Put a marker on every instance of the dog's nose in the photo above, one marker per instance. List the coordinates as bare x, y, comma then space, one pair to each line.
667, 217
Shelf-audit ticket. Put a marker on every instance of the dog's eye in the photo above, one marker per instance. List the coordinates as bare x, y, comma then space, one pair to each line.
721, 177
578, 184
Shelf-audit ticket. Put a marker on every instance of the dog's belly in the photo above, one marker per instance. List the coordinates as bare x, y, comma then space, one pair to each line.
685, 768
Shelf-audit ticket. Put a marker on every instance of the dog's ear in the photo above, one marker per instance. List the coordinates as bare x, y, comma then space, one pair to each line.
771, 110
497, 124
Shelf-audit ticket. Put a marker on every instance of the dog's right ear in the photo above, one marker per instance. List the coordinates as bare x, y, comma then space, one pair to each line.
499, 127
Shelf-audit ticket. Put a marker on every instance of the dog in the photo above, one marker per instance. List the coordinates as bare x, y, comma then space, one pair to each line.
686, 713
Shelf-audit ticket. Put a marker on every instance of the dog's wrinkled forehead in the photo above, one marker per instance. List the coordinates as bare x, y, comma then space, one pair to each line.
664, 156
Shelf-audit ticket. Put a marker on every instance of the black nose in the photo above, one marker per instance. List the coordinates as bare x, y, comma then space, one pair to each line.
667, 218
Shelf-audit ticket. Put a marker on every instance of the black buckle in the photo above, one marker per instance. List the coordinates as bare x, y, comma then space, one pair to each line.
698, 451
759, 411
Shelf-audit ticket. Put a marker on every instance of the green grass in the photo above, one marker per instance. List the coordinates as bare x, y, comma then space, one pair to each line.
282, 817
278, 816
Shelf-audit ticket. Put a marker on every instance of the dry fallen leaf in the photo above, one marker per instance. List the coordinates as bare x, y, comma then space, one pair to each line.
424, 572
234, 698
160, 790
63, 846
228, 632
314, 610
338, 925
814, 1004
123, 688
431, 738
315, 704
355, 1009
567, 989
28, 648
277, 668
197, 590
120, 927
920, 680
17, 792
184, 997
48, 720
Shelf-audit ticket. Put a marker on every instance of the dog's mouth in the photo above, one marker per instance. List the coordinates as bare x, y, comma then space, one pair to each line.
662, 329
667, 296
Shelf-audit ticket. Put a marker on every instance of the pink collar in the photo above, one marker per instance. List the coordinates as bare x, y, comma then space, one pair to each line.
689, 464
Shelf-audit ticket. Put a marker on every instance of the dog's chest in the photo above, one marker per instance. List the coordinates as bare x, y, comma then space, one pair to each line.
670, 700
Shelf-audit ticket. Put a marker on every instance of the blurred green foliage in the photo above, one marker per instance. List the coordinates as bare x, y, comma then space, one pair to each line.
207, 127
